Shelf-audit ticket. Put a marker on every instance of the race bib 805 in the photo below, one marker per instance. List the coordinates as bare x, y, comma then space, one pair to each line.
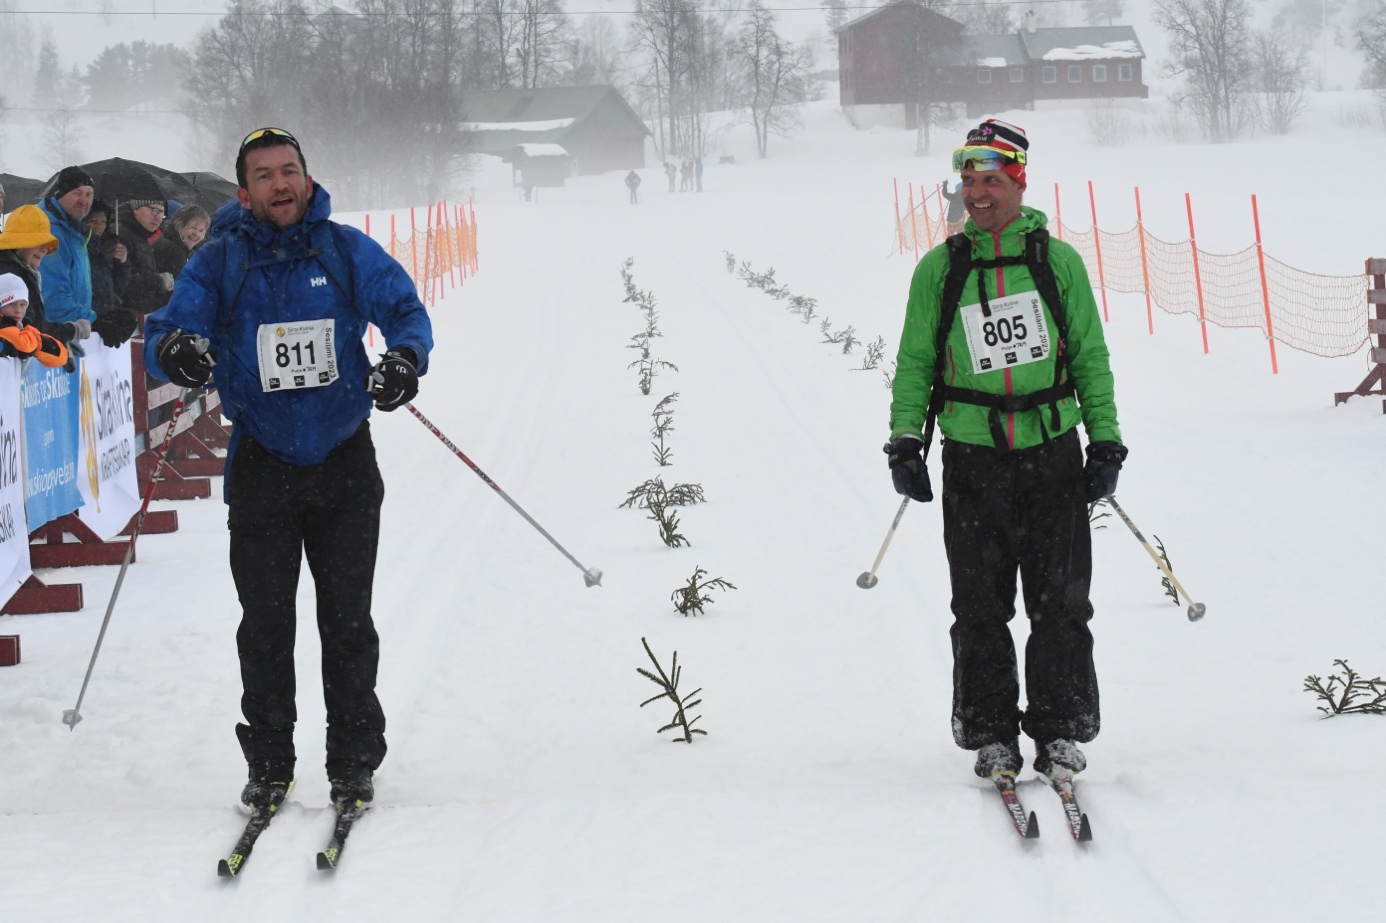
1014, 334
297, 354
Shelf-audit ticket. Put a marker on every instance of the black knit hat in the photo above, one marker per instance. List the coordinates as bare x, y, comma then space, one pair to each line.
69, 179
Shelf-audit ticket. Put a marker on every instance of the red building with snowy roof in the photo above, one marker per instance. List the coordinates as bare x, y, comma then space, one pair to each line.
887, 55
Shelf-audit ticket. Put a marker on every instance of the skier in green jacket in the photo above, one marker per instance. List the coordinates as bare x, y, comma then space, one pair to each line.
1009, 380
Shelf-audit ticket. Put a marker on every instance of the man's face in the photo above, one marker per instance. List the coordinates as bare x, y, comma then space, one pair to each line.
33, 256
149, 217
15, 309
276, 188
992, 197
78, 202
96, 221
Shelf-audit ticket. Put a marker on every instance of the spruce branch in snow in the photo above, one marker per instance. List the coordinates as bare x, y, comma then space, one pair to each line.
693, 597
889, 377
802, 305
649, 369
1340, 695
1170, 591
847, 336
731, 261
875, 352
669, 683
1092, 509
660, 502
663, 417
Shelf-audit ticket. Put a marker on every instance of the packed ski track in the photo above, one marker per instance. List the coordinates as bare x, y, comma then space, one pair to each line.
524, 783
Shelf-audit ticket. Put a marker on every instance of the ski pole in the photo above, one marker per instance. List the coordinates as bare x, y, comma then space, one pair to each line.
590, 576
1196, 610
868, 579
73, 715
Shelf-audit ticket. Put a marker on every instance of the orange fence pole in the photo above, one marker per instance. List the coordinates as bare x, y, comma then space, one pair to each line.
368, 224
457, 219
471, 240
928, 222
1198, 276
1058, 213
414, 246
1097, 242
1265, 290
899, 227
914, 224
452, 266
392, 236
1145, 265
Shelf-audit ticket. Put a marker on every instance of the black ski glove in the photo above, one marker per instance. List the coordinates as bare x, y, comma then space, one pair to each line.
1104, 464
907, 468
185, 359
394, 380
115, 326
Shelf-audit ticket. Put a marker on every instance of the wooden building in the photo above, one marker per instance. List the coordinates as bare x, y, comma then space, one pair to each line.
595, 125
898, 56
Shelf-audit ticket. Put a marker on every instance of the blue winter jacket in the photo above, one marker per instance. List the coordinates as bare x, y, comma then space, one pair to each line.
66, 271
286, 283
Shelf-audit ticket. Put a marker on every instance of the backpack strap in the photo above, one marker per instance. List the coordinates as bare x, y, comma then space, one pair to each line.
1036, 260
322, 246
959, 268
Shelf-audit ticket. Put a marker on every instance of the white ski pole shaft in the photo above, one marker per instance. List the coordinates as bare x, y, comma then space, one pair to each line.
867, 580
1196, 610
590, 576
73, 715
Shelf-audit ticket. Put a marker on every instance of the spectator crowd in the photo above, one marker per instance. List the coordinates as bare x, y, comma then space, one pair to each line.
72, 267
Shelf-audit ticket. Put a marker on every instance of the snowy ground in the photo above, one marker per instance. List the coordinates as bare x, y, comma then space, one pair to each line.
523, 783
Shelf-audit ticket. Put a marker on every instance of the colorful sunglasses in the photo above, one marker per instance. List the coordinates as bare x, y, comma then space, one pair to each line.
259, 133
982, 157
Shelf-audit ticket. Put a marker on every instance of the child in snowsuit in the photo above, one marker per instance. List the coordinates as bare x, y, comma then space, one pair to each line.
21, 340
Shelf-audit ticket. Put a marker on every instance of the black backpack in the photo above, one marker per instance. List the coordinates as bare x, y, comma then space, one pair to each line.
960, 267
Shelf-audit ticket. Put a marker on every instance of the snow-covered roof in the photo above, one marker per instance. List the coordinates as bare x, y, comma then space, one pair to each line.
995, 51
542, 150
1082, 43
991, 62
544, 125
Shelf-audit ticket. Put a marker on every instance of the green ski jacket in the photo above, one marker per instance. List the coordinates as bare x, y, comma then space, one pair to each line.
1088, 363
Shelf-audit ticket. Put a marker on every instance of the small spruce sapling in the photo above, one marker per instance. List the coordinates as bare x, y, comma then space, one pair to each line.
731, 261
889, 375
663, 416
847, 337
1170, 591
669, 684
875, 352
692, 598
660, 501
1340, 695
802, 305
649, 368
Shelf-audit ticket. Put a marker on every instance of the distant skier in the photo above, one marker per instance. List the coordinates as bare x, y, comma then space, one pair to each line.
633, 184
273, 308
698, 172
670, 171
686, 176
1010, 376
957, 212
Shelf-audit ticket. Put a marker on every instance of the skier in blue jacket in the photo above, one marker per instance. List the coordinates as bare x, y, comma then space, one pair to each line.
274, 308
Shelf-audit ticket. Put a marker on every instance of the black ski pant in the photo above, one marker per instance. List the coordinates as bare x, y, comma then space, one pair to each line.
331, 513
1022, 511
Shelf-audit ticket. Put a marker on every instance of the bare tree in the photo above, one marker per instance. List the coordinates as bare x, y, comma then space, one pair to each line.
1210, 45
539, 44
62, 138
1281, 69
927, 80
592, 54
774, 76
1102, 12
498, 35
684, 50
1370, 32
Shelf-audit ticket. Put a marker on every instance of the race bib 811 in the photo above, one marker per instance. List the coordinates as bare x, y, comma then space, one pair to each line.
1014, 334
297, 354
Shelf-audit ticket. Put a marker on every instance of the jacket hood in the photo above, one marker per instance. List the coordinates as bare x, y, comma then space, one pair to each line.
319, 210
1030, 219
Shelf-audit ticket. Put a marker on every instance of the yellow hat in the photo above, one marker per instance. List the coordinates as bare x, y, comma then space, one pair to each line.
27, 226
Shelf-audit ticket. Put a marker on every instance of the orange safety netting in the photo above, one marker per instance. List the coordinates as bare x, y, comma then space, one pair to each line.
1318, 314
443, 251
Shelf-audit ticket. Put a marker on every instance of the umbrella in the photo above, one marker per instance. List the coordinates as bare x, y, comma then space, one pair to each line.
20, 190
119, 180
213, 188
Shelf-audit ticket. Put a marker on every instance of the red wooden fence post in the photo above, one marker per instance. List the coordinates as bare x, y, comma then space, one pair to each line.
1265, 290
928, 222
1198, 276
1145, 266
914, 225
447, 223
1097, 242
414, 245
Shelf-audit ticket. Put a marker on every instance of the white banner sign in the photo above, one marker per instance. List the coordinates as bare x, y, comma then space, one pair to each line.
106, 458
14, 533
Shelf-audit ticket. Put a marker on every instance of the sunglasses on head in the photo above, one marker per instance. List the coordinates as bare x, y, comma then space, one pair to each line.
259, 133
980, 157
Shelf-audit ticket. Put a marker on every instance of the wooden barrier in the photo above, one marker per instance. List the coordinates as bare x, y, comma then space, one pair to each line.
1376, 326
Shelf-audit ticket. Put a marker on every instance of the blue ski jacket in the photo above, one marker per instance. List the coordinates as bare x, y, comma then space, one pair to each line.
66, 272
251, 274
